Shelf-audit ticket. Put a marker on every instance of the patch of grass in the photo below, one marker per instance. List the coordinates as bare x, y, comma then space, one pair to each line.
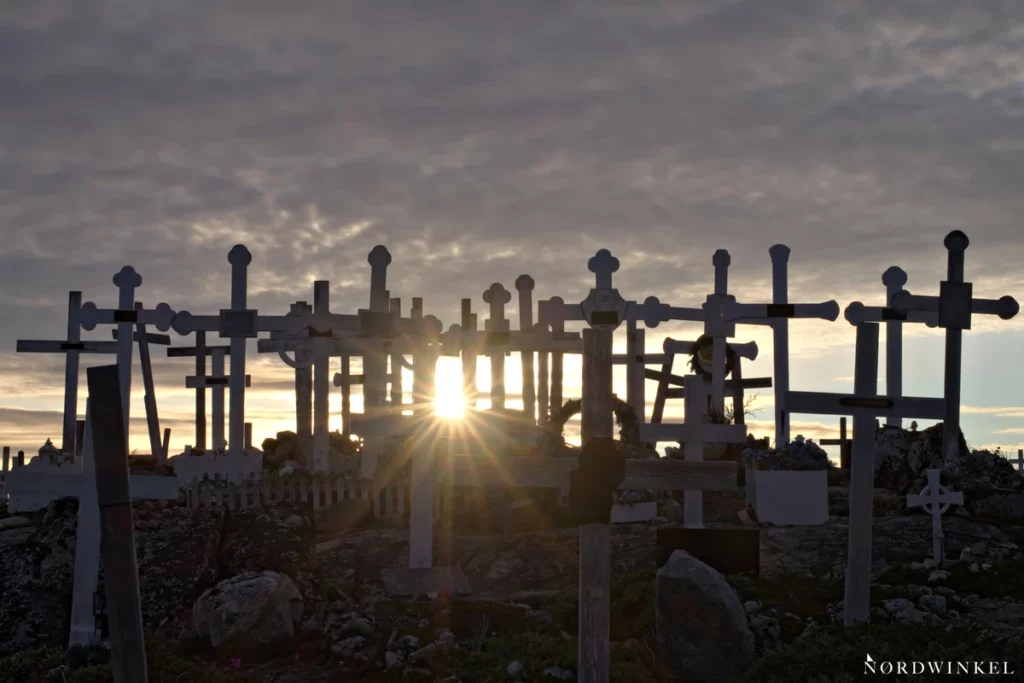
837, 655
165, 663
1001, 581
799, 594
536, 652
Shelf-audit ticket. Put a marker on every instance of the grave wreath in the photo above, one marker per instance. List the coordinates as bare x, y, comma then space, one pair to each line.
702, 357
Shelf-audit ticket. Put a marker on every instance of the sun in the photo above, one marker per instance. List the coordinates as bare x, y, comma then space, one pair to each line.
448, 401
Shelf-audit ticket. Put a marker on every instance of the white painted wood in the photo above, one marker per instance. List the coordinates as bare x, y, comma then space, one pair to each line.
955, 306
936, 499
789, 498
87, 549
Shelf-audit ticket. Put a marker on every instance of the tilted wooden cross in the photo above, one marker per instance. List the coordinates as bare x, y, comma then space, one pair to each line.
955, 307
936, 499
863, 404
157, 447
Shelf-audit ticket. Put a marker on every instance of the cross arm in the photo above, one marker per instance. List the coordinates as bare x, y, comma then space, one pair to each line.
734, 311
161, 317
857, 313
819, 403
41, 346
746, 350
1005, 307
151, 338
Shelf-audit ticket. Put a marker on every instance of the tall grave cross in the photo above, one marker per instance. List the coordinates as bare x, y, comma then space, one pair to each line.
125, 316
238, 324
955, 306
604, 310
71, 348
864, 404
935, 499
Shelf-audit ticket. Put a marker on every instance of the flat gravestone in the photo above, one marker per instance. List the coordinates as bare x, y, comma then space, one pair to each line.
729, 551
406, 582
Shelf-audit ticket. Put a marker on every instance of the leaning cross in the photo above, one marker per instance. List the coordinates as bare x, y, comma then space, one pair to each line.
936, 499
955, 307
71, 348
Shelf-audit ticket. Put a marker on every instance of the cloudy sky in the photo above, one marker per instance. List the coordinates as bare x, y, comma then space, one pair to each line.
479, 141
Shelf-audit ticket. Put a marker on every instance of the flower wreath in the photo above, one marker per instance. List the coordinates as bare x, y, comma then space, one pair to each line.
701, 357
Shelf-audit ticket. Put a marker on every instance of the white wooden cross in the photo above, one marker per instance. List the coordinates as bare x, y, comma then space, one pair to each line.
604, 310
955, 306
694, 433
81, 484
71, 347
778, 314
125, 316
863, 404
936, 499
856, 313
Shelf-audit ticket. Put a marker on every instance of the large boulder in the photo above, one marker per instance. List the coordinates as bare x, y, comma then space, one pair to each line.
892, 470
702, 628
926, 451
251, 609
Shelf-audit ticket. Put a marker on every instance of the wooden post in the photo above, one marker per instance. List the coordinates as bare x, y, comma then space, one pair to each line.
779, 254
6, 461
543, 380
422, 470
166, 445
124, 609
20, 460
496, 297
217, 401
346, 396
396, 362
79, 438
468, 323
737, 394
149, 398
862, 473
201, 391
248, 435
525, 285
595, 539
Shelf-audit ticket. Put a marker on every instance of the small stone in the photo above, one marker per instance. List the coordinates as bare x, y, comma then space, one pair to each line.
929, 563
425, 654
974, 568
659, 521
752, 606
294, 521
417, 674
539, 615
986, 566
896, 605
445, 640
938, 575
423, 623
515, 671
348, 647
359, 627
558, 673
936, 604
409, 642
392, 659
944, 591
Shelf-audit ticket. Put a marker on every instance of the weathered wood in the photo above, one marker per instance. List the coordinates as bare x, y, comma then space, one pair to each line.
121, 574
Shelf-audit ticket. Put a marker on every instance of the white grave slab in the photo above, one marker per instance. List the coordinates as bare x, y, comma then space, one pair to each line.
789, 498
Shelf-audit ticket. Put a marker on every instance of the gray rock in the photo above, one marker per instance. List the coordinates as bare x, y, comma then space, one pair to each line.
392, 659
896, 605
359, 627
254, 608
294, 521
671, 509
716, 644
944, 591
409, 643
938, 575
539, 615
752, 606
558, 673
424, 655
515, 671
349, 646
936, 604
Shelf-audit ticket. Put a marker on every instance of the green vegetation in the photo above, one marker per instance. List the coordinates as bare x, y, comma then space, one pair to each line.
91, 665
